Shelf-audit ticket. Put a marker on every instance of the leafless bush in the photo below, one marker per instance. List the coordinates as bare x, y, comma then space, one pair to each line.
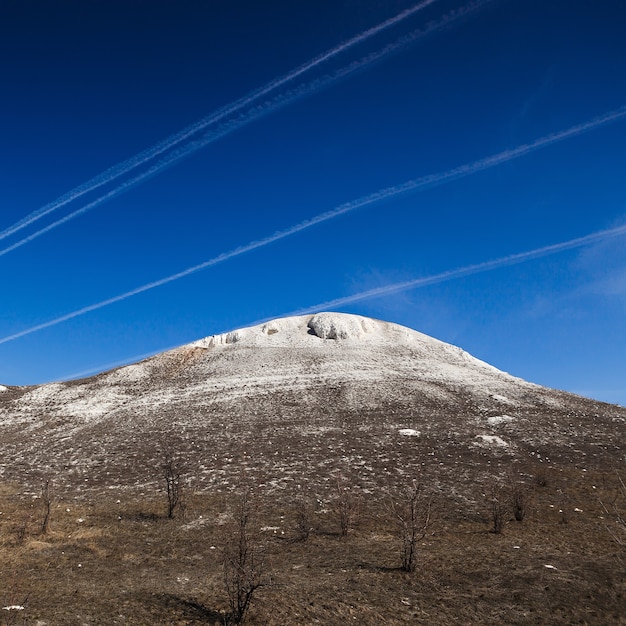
14, 604
21, 529
520, 501
304, 517
172, 469
497, 509
47, 497
346, 507
244, 564
541, 477
411, 510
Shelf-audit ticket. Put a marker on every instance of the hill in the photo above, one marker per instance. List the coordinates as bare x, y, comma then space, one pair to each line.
302, 414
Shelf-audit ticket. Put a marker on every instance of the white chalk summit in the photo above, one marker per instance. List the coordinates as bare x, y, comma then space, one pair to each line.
304, 356
337, 326
318, 348
300, 331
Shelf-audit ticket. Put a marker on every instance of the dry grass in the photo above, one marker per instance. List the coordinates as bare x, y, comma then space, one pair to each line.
126, 563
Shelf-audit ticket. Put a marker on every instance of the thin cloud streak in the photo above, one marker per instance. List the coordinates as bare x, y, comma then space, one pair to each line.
257, 112
143, 157
468, 270
373, 198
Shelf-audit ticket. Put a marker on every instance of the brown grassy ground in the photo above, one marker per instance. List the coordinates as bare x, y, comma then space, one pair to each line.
125, 563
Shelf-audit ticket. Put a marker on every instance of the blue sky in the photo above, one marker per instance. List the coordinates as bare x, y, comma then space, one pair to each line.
86, 86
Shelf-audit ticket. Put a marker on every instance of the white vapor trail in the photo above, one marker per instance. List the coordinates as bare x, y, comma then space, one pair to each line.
378, 196
139, 159
468, 270
411, 185
255, 113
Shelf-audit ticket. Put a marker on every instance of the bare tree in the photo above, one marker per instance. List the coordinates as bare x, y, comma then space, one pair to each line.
244, 564
541, 477
304, 517
174, 483
411, 510
47, 498
21, 528
497, 510
520, 501
346, 507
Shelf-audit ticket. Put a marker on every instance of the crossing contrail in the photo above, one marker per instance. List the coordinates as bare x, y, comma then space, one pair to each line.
378, 196
468, 270
411, 185
255, 113
139, 159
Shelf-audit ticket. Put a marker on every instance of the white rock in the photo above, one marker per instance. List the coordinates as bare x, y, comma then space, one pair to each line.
492, 440
409, 432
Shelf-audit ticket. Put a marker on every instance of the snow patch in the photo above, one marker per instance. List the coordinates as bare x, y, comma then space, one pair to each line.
409, 432
3, 388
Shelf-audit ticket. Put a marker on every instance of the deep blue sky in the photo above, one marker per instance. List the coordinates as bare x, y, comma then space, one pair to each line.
85, 85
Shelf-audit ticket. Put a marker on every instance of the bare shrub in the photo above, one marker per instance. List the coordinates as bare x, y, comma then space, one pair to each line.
346, 507
564, 505
497, 508
47, 497
21, 529
411, 511
541, 477
304, 518
520, 501
243, 561
172, 469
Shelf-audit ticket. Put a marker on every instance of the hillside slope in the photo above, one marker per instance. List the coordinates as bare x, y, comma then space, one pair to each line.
311, 394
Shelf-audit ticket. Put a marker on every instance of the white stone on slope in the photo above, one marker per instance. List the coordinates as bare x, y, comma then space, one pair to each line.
499, 419
337, 326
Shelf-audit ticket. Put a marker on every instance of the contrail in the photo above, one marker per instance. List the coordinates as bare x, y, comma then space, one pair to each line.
139, 159
386, 290
378, 196
468, 270
255, 113
411, 185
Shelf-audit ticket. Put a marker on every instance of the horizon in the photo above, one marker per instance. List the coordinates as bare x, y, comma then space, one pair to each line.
442, 165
